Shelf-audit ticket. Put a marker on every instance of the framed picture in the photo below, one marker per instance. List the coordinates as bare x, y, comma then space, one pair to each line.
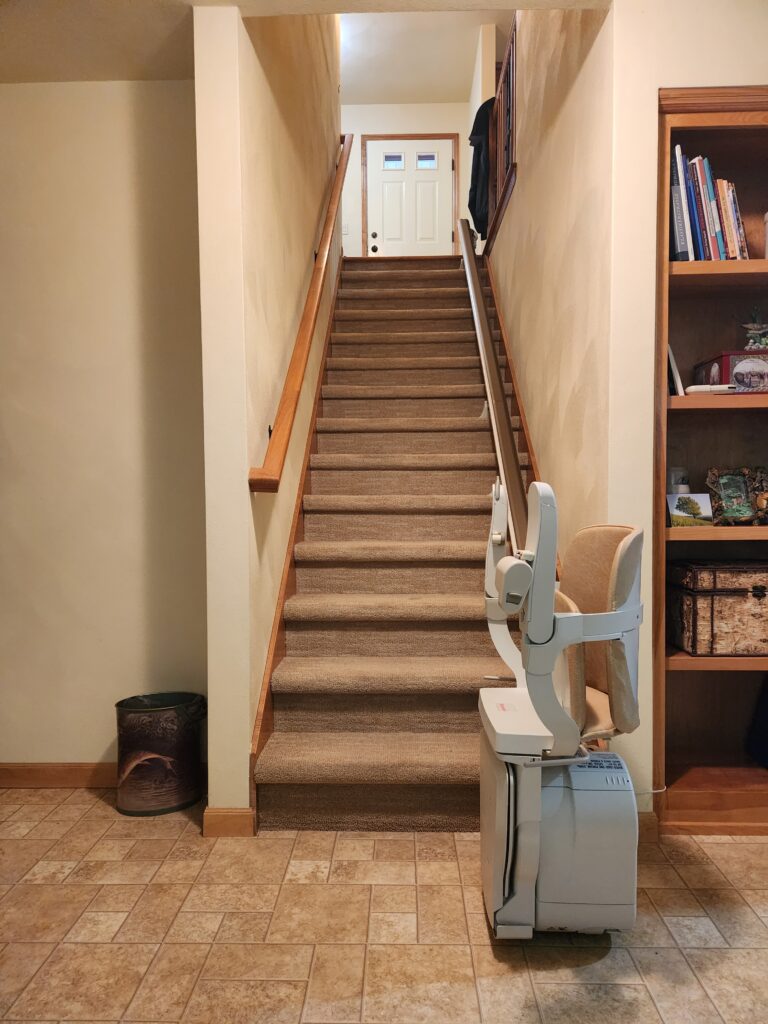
689, 509
734, 494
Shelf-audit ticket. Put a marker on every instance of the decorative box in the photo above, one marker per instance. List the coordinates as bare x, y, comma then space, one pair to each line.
718, 608
747, 370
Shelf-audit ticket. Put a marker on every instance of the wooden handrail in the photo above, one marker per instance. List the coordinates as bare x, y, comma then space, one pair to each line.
267, 476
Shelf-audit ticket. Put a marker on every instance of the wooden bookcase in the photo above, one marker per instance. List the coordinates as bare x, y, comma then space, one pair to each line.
703, 706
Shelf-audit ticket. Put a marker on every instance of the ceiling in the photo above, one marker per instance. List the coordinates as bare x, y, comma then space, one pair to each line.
413, 57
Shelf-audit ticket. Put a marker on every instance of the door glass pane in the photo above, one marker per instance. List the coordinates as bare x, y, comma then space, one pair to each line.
394, 162
426, 162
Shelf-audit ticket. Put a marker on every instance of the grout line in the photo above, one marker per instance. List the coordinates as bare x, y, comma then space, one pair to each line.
704, 989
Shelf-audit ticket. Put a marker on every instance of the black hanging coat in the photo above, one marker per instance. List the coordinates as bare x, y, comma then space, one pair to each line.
481, 167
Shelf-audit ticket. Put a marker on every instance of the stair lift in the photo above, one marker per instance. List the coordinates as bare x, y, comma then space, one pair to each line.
558, 823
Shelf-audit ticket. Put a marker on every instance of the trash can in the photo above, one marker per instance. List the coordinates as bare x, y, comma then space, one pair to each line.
159, 767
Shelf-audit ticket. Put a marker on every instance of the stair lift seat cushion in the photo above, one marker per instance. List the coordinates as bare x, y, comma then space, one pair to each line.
599, 570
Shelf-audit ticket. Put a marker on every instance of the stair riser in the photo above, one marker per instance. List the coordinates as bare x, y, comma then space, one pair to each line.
411, 324
405, 349
476, 442
338, 526
454, 407
435, 280
383, 579
369, 808
385, 712
348, 300
382, 264
387, 639
397, 481
412, 376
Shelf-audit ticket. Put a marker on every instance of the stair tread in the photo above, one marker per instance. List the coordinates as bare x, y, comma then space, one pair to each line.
413, 608
404, 424
353, 674
434, 461
389, 551
403, 363
380, 391
406, 337
441, 313
394, 503
379, 292
347, 758
434, 277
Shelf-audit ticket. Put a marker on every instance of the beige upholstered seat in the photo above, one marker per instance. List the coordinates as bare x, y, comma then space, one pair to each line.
600, 569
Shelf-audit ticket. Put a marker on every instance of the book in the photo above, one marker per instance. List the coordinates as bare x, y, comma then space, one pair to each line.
680, 161
678, 241
700, 211
739, 223
698, 243
716, 224
726, 220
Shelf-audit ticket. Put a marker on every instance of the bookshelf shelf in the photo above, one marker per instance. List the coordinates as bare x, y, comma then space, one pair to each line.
703, 401
703, 707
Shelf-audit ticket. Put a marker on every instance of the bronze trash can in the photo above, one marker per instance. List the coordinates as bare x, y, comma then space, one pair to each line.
159, 766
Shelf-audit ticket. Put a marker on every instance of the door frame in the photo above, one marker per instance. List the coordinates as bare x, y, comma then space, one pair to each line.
452, 137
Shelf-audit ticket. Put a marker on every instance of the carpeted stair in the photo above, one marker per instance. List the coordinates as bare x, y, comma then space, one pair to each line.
386, 643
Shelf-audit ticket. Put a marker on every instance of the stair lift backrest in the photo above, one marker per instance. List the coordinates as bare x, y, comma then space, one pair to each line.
601, 573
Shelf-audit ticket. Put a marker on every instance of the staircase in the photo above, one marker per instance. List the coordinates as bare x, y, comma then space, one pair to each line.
386, 644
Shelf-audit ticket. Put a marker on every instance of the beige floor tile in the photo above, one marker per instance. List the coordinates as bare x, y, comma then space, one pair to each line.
178, 871
757, 899
378, 872
393, 899
19, 962
648, 827
89, 796
504, 986
650, 853
164, 992
81, 838
676, 903
458, 836
235, 898
35, 796
32, 812
394, 849
572, 965
335, 988
380, 835
17, 856
683, 850
437, 872
244, 928
258, 962
117, 898
735, 919
48, 829
745, 865
435, 846
105, 872
305, 871
753, 840
153, 915
4, 888
49, 872
95, 926
151, 849
191, 846
354, 849
390, 927
277, 833
8, 810
480, 933
77, 982
712, 839
42, 913
68, 812
16, 829
649, 929
429, 984
246, 1002
321, 913
695, 932
658, 876
735, 980
618, 1004
146, 828
194, 927
314, 846
111, 849
441, 914
703, 876
241, 861
473, 899
678, 995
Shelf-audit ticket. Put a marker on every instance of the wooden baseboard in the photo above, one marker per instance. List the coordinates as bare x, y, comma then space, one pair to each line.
228, 822
58, 775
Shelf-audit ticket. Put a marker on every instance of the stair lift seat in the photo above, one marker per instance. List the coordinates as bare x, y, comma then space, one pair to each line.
559, 823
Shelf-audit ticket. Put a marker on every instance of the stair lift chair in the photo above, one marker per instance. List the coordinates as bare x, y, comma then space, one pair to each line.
558, 823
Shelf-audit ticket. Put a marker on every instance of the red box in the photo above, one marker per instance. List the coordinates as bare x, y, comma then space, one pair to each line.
747, 370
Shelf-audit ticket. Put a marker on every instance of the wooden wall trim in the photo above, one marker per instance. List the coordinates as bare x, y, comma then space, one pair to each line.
267, 476
427, 137
58, 775
717, 99
264, 724
228, 822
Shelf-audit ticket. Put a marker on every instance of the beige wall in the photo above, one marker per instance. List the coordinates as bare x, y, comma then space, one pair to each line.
388, 119
484, 74
267, 136
101, 517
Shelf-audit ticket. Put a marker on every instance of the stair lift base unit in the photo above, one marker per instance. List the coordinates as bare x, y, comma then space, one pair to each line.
558, 824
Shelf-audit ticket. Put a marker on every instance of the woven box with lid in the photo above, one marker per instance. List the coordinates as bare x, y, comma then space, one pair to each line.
718, 608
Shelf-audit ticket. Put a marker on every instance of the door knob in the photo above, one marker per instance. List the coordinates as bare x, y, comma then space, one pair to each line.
374, 248
374, 235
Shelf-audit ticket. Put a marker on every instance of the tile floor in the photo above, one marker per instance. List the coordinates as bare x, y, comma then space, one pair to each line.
109, 918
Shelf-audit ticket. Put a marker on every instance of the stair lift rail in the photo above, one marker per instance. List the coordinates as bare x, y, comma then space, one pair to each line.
510, 471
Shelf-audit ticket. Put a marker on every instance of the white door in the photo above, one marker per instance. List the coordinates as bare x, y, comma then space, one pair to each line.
410, 197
